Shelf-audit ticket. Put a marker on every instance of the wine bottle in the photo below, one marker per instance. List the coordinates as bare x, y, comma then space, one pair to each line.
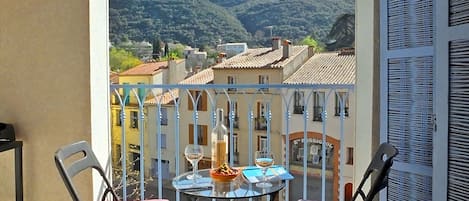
219, 141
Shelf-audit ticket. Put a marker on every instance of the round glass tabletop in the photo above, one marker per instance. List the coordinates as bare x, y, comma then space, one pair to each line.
238, 188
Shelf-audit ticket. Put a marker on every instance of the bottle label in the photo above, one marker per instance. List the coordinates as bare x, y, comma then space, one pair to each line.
219, 155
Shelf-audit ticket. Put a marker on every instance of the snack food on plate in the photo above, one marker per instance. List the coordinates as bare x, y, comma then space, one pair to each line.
224, 173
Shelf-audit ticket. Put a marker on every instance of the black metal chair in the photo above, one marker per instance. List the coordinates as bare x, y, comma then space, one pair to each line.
380, 166
87, 160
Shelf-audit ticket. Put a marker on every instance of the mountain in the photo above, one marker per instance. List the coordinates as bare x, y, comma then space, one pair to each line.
292, 19
205, 22
342, 33
190, 22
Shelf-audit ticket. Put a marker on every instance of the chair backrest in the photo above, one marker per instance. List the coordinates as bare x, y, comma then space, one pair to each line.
379, 167
83, 159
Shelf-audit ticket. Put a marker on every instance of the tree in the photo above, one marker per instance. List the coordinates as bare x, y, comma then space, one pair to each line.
166, 49
156, 48
308, 40
121, 60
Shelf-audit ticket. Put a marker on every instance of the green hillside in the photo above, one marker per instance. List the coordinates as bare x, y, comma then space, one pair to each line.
190, 22
292, 19
204, 22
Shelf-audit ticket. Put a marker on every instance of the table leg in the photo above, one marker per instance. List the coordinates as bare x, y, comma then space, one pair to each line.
273, 196
19, 173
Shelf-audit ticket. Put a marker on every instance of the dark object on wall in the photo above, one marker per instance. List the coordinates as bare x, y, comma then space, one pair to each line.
7, 133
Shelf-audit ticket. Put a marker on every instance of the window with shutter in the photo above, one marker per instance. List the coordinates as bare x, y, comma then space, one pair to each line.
164, 116
200, 98
202, 134
133, 119
406, 67
318, 103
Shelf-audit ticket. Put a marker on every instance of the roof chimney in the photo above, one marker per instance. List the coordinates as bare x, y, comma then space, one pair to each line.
347, 51
287, 49
275, 43
221, 57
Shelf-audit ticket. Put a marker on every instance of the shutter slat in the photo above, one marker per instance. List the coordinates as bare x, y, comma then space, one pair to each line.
458, 12
458, 124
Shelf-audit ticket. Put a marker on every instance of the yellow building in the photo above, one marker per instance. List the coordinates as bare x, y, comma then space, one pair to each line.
133, 123
328, 68
258, 66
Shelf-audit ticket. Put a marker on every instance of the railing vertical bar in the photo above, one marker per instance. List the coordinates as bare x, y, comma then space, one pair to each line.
324, 134
231, 118
269, 116
123, 151
250, 117
160, 171
177, 141
287, 149
142, 159
342, 147
195, 118
305, 157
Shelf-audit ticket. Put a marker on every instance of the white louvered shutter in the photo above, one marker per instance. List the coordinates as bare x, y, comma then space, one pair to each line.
452, 61
407, 70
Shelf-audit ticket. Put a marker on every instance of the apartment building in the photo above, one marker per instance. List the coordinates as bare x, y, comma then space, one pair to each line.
328, 68
179, 102
257, 66
128, 117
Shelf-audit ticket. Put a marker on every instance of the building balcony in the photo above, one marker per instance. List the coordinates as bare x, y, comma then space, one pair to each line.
261, 123
235, 121
164, 145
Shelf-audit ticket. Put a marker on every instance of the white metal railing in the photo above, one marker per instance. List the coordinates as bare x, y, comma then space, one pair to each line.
305, 147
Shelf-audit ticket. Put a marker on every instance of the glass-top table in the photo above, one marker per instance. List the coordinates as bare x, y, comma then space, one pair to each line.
239, 188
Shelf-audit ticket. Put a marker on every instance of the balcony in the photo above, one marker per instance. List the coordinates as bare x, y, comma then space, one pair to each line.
298, 109
261, 123
235, 121
313, 160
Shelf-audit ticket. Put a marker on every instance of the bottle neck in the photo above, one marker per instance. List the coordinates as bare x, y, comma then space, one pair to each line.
220, 116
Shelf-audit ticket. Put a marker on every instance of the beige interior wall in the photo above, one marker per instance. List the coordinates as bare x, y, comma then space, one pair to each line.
365, 40
45, 90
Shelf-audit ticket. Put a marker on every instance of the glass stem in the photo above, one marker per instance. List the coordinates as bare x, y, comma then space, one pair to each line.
264, 171
194, 170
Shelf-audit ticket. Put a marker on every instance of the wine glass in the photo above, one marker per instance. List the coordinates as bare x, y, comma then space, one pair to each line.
193, 154
264, 160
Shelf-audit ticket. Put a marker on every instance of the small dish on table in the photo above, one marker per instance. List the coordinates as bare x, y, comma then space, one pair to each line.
224, 173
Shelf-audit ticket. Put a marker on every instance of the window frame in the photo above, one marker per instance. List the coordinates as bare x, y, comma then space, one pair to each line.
298, 100
231, 79
134, 119
338, 96
202, 134
164, 116
201, 103
118, 117
261, 140
263, 79
318, 102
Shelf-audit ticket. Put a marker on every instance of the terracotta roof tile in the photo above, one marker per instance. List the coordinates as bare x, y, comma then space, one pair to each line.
260, 58
146, 68
325, 68
114, 77
165, 98
203, 77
